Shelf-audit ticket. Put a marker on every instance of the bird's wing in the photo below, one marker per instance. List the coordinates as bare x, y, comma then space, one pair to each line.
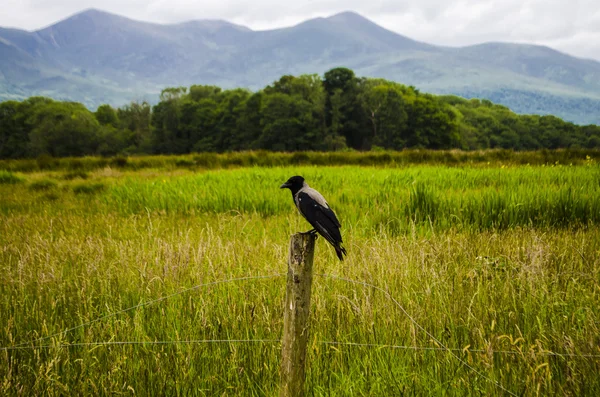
318, 197
321, 217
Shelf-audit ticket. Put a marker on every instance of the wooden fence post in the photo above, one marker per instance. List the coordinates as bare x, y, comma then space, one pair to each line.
295, 317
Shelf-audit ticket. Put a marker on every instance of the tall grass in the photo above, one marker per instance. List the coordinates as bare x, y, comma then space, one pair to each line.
493, 157
9, 178
393, 198
494, 259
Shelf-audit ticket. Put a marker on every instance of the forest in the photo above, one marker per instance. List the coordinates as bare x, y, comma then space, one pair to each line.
339, 111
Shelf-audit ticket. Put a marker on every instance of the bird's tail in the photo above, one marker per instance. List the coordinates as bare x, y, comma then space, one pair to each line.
340, 251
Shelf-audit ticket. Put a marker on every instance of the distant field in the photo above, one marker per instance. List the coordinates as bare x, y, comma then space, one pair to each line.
198, 161
498, 261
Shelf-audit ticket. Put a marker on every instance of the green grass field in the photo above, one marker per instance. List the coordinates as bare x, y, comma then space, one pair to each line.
499, 262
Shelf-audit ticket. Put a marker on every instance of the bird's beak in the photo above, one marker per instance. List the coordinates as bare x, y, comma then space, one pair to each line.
285, 185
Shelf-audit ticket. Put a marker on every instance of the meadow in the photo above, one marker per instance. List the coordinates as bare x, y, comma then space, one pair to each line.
496, 259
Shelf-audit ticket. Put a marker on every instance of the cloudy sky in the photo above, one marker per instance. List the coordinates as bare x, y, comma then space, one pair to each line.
572, 26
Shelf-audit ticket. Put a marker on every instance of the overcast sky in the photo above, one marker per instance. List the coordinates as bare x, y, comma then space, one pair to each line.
572, 26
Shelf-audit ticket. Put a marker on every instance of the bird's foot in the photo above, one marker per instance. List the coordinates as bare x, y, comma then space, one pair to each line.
312, 232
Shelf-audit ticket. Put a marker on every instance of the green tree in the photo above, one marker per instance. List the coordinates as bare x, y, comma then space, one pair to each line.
168, 137
285, 119
106, 115
199, 92
135, 126
432, 124
113, 141
384, 105
309, 95
14, 139
343, 114
231, 106
293, 113
200, 119
248, 125
63, 129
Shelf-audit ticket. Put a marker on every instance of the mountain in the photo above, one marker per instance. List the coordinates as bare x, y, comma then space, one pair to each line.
96, 57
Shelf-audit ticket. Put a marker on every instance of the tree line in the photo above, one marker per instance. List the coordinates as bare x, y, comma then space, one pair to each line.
295, 113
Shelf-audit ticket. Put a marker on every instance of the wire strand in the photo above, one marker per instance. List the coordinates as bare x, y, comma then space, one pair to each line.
146, 304
442, 347
141, 342
335, 343
389, 296
507, 352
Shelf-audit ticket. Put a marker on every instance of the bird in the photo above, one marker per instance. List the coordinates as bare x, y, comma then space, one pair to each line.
314, 208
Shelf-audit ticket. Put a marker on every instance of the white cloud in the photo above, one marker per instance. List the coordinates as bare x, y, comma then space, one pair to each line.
572, 26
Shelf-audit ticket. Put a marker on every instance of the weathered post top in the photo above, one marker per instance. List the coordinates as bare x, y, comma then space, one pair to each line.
296, 312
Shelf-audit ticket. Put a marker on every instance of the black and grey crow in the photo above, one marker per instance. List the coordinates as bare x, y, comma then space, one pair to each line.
316, 211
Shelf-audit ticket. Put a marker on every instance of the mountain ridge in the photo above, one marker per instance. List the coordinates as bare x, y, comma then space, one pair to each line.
95, 56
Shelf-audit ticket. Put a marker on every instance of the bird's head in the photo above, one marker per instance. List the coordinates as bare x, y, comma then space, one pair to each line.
295, 183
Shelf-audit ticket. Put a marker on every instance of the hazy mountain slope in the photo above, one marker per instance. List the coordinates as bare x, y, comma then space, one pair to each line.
97, 57
537, 61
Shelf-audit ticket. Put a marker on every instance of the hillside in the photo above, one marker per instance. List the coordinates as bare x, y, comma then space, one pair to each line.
95, 57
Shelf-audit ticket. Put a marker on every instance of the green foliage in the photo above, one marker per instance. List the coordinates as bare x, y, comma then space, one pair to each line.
199, 92
13, 135
63, 129
285, 122
343, 108
295, 113
75, 174
484, 124
88, 188
376, 157
46, 162
385, 108
42, 185
185, 163
135, 128
119, 161
431, 124
8, 178
106, 115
